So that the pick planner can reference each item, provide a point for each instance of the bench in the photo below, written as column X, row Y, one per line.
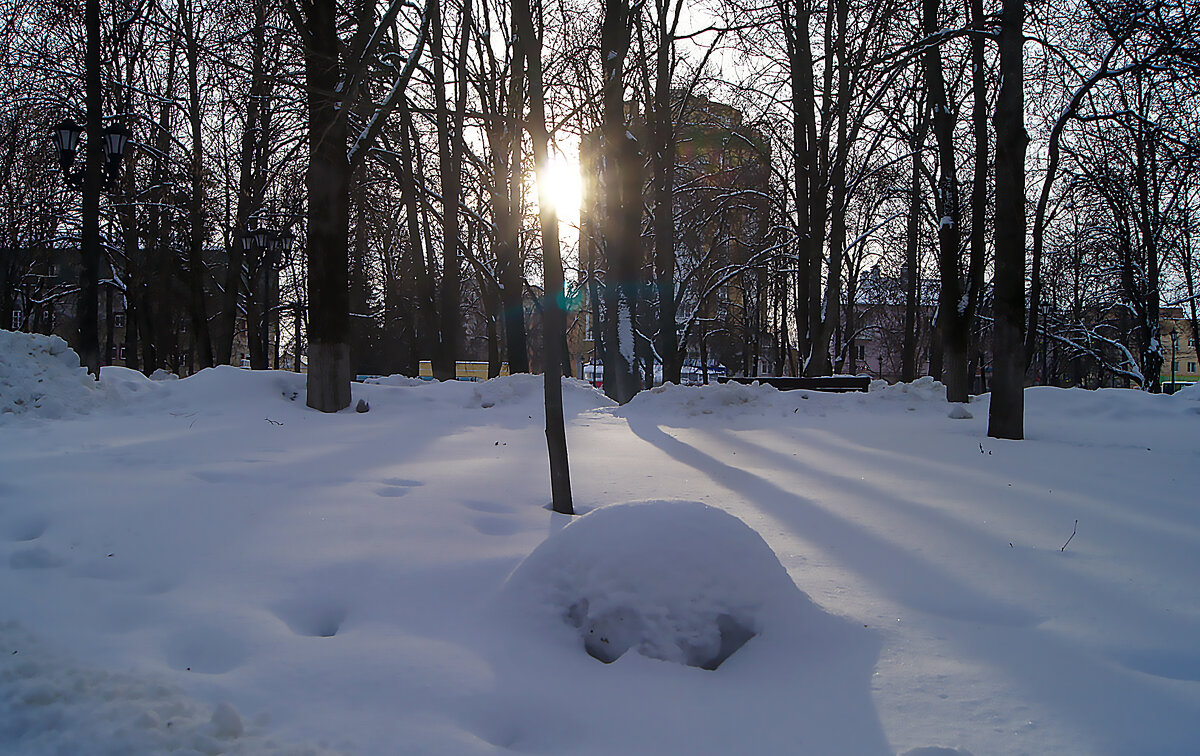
column 838, row 383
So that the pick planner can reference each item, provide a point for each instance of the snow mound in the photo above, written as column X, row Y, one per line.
column 230, row 388
column 1191, row 393
column 397, row 380
column 525, row 389
column 54, row 706
column 41, row 375
column 924, row 389
column 959, row 412
column 712, row 399
column 678, row 581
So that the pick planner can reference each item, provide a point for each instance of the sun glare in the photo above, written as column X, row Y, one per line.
column 565, row 187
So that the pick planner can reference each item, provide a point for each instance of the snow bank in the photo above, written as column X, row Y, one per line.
column 924, row 389
column 719, row 399
column 41, row 375
column 56, row 706
column 1191, row 393
column 522, row 392
column 397, row 380
column 526, row 389
column 673, row 580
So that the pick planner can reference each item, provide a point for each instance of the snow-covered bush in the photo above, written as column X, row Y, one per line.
column 673, row 580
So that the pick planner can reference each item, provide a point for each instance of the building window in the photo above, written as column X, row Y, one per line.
column 1175, row 367
column 861, row 352
column 121, row 352
column 118, row 320
column 1191, row 367
column 16, row 320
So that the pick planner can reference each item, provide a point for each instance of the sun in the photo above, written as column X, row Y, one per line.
column 565, row 187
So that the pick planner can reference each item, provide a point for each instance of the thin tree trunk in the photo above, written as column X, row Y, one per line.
column 912, row 256
column 89, row 302
column 952, row 326
column 978, row 238
column 197, row 298
column 554, row 319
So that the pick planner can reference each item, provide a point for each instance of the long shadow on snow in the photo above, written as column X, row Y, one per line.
column 892, row 569
column 1119, row 710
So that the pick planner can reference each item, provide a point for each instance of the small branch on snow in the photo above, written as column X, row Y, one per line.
column 1064, row 548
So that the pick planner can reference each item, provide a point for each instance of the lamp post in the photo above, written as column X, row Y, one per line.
column 1046, row 309
column 1174, row 350
column 104, row 148
column 268, row 251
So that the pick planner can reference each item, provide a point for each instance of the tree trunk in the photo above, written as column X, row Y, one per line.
column 327, row 182
column 911, row 272
column 508, row 184
column 89, row 301
column 197, row 268
column 621, row 225
column 952, row 325
column 250, row 190
column 450, row 152
column 804, row 134
column 554, row 319
column 1006, row 418
column 978, row 238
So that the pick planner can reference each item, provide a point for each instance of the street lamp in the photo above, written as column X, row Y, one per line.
column 1046, row 308
column 266, row 249
column 1174, row 349
column 113, row 139
column 105, row 145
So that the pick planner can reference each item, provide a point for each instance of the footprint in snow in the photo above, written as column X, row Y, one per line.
column 396, row 487
column 495, row 526
column 27, row 528
column 489, row 507
column 35, row 558
column 314, row 617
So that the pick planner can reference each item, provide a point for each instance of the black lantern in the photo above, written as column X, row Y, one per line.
column 262, row 238
column 286, row 241
column 66, row 139
column 115, row 138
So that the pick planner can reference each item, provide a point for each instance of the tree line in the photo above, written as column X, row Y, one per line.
column 1024, row 171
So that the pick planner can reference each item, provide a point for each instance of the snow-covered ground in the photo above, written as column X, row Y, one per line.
column 206, row 566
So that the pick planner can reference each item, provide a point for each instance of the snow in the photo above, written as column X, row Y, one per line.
column 206, row 566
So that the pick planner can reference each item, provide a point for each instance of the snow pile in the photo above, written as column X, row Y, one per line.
column 41, row 375
column 55, row 706
column 524, row 389
column 397, row 380
column 673, row 580
column 721, row 399
column 924, row 389
column 1191, row 393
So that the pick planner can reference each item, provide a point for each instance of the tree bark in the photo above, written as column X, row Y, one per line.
column 952, row 324
column 621, row 225
column 327, row 182
column 197, row 268
column 554, row 319
column 1006, row 416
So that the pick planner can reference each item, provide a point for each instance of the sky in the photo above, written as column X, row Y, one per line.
column 207, row 566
